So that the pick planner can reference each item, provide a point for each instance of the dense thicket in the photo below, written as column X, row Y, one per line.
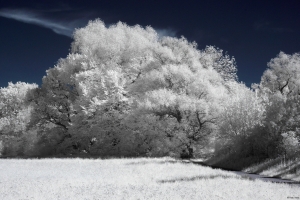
column 125, row 91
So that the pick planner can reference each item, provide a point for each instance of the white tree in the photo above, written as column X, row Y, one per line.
column 14, row 112
column 283, row 74
column 177, row 86
column 15, row 115
column 215, row 58
column 280, row 89
column 243, row 111
column 124, row 85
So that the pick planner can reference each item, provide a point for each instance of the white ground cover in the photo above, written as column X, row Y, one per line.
column 163, row 178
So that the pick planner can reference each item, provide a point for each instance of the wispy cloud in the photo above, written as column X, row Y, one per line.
column 61, row 25
column 37, row 18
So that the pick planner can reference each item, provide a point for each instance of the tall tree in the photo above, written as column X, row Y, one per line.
column 122, row 79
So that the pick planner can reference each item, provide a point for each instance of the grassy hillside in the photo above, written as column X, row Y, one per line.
column 163, row 178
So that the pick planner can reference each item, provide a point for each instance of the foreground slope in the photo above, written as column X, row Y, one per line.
column 163, row 178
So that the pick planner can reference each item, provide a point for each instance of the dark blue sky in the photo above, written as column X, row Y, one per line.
column 35, row 34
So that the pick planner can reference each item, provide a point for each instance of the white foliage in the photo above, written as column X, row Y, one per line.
column 213, row 57
column 242, row 111
column 283, row 74
column 14, row 113
column 122, row 71
column 290, row 141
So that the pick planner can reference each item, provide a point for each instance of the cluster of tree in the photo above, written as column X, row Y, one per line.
column 15, row 115
column 125, row 91
column 263, row 122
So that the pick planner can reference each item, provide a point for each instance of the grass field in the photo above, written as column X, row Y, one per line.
column 161, row 178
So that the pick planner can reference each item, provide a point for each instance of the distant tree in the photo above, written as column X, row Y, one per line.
column 280, row 90
column 283, row 74
column 15, row 115
column 243, row 113
column 291, row 141
column 244, row 110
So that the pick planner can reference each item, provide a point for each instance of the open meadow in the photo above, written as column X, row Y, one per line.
column 142, row 178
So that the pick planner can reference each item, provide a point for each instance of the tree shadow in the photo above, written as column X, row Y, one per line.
column 145, row 162
column 264, row 165
column 196, row 178
column 211, row 166
column 253, row 176
column 289, row 169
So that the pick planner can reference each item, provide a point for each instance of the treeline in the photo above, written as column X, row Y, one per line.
column 125, row 91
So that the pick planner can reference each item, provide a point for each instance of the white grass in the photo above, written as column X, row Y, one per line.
column 163, row 178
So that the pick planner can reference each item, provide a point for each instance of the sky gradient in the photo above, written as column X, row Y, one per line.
column 33, row 36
